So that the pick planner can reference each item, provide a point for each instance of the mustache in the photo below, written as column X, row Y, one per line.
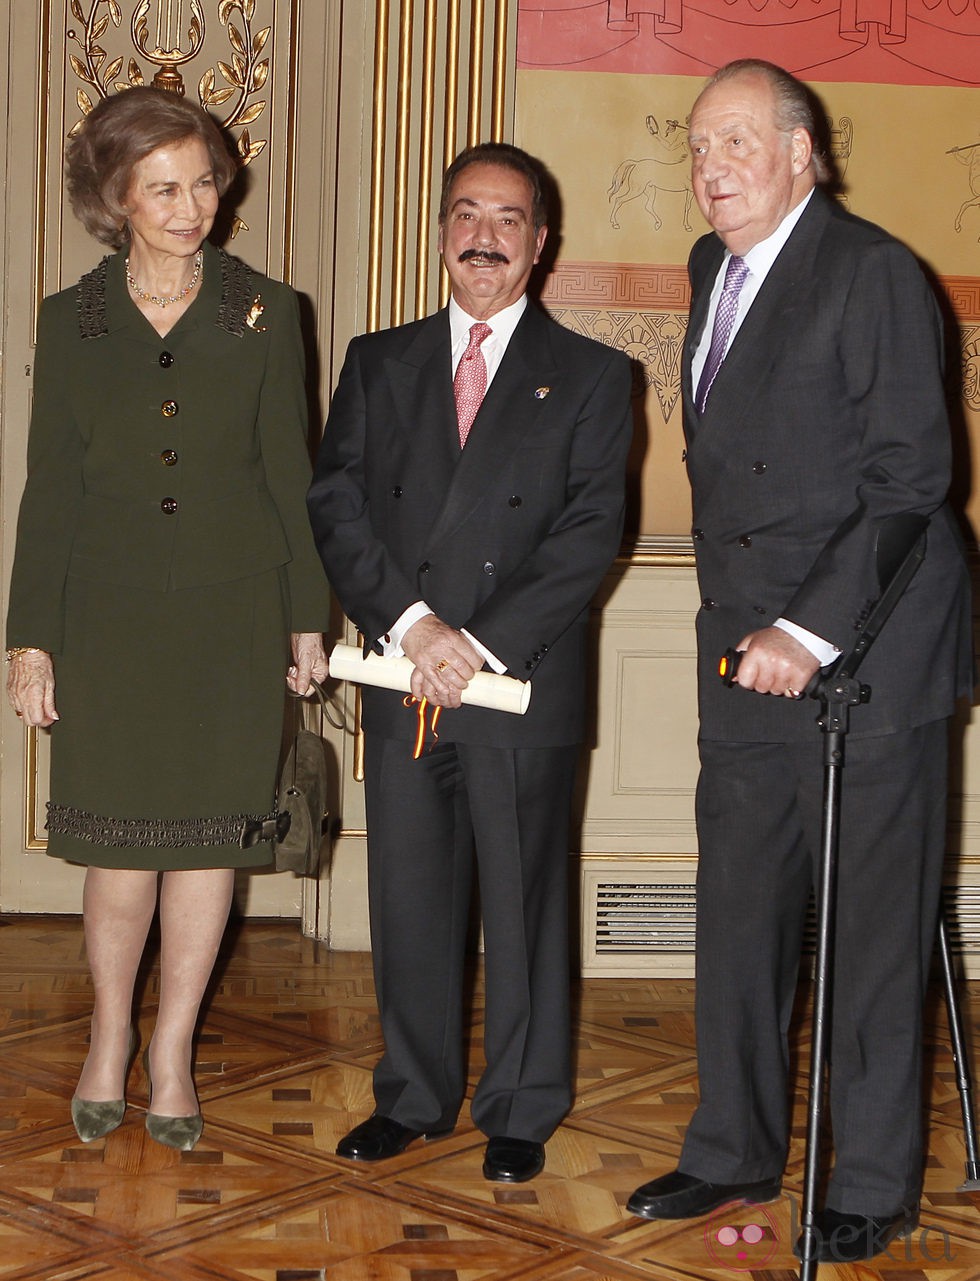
column 485, row 255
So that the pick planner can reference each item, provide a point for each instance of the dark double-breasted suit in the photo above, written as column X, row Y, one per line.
column 509, row 539
column 826, row 418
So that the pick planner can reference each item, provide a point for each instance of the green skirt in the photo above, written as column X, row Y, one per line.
column 171, row 713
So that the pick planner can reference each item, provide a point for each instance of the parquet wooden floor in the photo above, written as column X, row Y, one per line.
column 284, row 1069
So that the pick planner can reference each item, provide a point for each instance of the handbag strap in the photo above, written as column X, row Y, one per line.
column 327, row 711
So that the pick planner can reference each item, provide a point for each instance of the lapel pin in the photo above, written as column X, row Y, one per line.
column 541, row 393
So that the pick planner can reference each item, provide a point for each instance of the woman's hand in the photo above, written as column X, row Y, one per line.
column 30, row 687
column 309, row 662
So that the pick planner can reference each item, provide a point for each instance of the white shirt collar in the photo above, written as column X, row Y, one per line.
column 761, row 257
column 502, row 325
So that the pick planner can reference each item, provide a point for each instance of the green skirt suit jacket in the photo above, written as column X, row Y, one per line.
column 163, row 557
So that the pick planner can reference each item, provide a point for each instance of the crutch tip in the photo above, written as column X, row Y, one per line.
column 971, row 1185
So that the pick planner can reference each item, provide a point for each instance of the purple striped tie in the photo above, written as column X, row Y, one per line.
column 724, row 319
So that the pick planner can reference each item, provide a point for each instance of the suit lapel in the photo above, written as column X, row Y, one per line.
column 509, row 413
column 707, row 271
column 421, row 386
column 768, row 326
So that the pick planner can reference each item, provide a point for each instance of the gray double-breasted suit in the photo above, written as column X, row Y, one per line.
column 827, row 417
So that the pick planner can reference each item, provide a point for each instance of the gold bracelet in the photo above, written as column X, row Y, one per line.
column 19, row 650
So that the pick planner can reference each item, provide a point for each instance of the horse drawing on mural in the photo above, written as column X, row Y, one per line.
column 969, row 156
column 665, row 171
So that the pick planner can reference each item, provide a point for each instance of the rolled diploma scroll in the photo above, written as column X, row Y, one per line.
column 486, row 689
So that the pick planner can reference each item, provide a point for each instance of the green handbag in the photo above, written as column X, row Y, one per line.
column 302, row 796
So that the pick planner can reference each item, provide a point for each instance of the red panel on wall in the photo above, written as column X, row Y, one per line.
column 913, row 42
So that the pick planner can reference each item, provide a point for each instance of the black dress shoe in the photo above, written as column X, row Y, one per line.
column 682, row 1196
column 379, row 1137
column 512, row 1160
column 849, row 1238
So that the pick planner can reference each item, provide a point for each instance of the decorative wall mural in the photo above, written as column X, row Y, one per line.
column 893, row 77
column 971, row 371
column 969, row 156
column 170, row 34
column 668, row 170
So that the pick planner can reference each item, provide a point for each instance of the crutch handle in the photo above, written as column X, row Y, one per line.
column 728, row 667
column 728, row 670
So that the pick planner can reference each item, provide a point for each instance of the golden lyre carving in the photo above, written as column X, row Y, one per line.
column 245, row 74
column 167, row 53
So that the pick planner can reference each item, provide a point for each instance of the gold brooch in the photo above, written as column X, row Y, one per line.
column 255, row 314
column 541, row 393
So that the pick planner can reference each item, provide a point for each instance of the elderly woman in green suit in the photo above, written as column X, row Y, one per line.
column 165, row 579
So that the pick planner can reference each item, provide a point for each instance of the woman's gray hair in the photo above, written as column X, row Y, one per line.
column 119, row 132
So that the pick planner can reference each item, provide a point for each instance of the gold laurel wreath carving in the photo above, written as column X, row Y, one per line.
column 245, row 75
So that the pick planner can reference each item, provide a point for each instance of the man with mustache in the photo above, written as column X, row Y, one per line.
column 467, row 501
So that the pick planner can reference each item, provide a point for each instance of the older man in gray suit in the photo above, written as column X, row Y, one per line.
column 814, row 411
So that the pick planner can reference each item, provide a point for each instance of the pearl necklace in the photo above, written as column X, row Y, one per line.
column 165, row 302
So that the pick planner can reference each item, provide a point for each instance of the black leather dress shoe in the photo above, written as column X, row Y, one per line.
column 512, row 1160
column 379, row 1137
column 682, row 1196
column 849, row 1238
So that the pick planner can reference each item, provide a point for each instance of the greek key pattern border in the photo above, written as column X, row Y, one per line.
column 625, row 285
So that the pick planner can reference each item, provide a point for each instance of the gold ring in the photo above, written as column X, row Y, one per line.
column 442, row 664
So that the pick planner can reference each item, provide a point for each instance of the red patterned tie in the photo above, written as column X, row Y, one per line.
column 470, row 383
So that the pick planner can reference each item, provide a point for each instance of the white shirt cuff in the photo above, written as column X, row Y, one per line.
column 491, row 658
column 391, row 642
column 822, row 650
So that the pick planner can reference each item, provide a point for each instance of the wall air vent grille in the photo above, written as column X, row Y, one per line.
column 638, row 919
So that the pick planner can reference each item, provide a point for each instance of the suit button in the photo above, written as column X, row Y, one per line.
column 544, row 649
column 697, row 535
column 489, row 567
column 166, row 360
column 745, row 540
column 168, row 506
column 396, row 491
column 424, row 567
column 169, row 457
column 708, row 603
column 529, row 667
column 760, row 609
column 514, row 500
column 168, row 408
column 759, row 468
column 683, row 455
